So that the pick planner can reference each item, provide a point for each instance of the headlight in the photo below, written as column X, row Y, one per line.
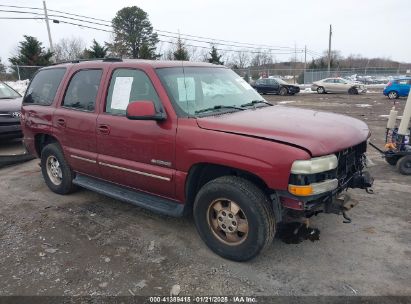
column 315, row 165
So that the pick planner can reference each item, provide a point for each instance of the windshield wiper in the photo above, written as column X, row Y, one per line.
column 218, row 107
column 254, row 102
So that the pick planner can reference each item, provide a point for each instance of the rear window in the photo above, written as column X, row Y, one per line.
column 43, row 87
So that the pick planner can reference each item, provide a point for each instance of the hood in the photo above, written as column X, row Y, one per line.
column 320, row 133
column 10, row 104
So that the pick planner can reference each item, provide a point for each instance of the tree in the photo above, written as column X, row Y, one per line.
column 96, row 51
column 180, row 52
column 31, row 52
column 214, row 57
column 133, row 34
column 68, row 49
column 2, row 67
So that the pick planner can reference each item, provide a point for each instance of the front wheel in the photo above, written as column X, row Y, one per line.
column 393, row 95
column 234, row 218
column 283, row 91
column 56, row 172
column 320, row 90
column 353, row 91
column 404, row 165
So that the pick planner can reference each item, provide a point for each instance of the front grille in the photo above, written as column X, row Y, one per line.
column 350, row 161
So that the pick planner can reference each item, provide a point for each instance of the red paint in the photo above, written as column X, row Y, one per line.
column 291, row 203
column 141, row 109
column 264, row 142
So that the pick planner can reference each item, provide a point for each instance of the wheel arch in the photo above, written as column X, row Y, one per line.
column 201, row 173
column 43, row 139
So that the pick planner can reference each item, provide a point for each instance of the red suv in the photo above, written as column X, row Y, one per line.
column 183, row 138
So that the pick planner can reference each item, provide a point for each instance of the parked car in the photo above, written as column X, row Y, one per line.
column 276, row 86
column 337, row 85
column 10, row 111
column 397, row 88
column 191, row 138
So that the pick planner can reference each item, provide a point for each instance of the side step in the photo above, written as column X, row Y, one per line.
column 141, row 199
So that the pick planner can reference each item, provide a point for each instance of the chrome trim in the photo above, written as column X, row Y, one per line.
column 135, row 171
column 83, row 158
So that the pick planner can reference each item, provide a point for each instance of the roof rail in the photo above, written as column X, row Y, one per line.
column 106, row 59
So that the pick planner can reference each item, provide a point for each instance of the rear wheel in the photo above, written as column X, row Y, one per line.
column 56, row 172
column 234, row 218
column 404, row 165
column 320, row 90
column 393, row 95
column 283, row 91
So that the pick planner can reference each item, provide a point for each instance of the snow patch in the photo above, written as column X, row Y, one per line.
column 19, row 85
column 363, row 105
column 285, row 102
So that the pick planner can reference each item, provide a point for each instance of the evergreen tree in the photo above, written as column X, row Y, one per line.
column 132, row 32
column 96, row 51
column 2, row 67
column 214, row 57
column 30, row 52
column 180, row 52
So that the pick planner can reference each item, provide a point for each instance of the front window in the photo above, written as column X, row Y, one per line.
column 193, row 90
column 7, row 93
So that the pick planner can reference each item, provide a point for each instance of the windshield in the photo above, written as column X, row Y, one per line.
column 280, row 81
column 197, row 90
column 7, row 92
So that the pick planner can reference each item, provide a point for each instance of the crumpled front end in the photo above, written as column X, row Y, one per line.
column 320, row 188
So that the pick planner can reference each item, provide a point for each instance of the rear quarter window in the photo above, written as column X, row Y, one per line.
column 43, row 88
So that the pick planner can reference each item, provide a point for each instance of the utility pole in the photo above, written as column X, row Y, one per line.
column 295, row 60
column 48, row 26
column 329, row 51
column 305, row 61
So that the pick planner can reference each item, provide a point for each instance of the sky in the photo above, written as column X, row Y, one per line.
column 372, row 28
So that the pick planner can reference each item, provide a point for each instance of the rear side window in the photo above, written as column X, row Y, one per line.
column 127, row 86
column 43, row 87
column 82, row 91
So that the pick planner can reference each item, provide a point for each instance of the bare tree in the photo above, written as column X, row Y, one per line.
column 69, row 49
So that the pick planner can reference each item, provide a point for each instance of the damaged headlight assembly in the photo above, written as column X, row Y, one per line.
column 306, row 171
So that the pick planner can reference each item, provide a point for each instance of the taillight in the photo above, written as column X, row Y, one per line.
column 389, row 84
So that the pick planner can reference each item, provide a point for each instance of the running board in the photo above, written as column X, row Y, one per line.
column 153, row 203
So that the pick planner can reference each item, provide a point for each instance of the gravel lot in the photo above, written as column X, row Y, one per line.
column 88, row 244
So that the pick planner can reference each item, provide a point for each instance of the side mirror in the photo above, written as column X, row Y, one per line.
column 143, row 110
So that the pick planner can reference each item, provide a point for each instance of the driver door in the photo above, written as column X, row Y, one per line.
column 136, row 153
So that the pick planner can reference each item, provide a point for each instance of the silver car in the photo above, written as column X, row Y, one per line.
column 10, row 105
column 337, row 85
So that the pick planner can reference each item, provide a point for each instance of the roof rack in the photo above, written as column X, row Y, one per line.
column 106, row 59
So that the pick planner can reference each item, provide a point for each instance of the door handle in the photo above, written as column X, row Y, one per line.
column 61, row 122
column 103, row 129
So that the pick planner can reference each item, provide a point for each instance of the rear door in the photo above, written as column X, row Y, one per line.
column 135, row 153
column 403, row 87
column 75, row 118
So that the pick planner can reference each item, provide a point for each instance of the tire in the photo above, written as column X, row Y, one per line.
column 393, row 95
column 254, row 215
column 404, row 165
column 391, row 160
column 283, row 91
column 353, row 91
column 56, row 172
column 320, row 90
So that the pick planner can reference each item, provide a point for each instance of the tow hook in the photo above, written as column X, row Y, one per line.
column 341, row 205
column 347, row 219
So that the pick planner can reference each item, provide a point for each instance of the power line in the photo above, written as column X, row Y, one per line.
column 209, row 39
column 235, row 44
